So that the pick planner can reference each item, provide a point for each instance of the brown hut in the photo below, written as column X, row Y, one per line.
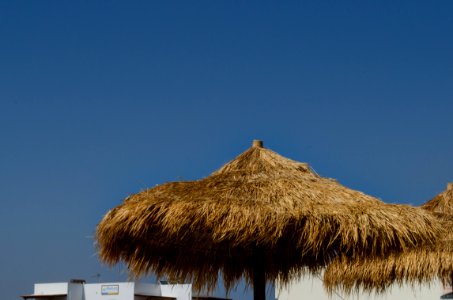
column 261, row 216
column 419, row 265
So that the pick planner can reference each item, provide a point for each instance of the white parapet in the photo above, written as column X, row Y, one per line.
column 312, row 288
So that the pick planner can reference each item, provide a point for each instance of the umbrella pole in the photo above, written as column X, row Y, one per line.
column 259, row 276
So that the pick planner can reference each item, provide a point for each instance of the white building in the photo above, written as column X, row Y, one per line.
column 79, row 290
column 312, row 288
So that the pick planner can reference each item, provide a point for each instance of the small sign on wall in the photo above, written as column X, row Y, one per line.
column 111, row 289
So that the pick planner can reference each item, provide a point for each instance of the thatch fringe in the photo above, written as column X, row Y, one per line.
column 420, row 265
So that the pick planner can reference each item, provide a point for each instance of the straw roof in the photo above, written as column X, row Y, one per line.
column 443, row 203
column 419, row 265
column 260, row 208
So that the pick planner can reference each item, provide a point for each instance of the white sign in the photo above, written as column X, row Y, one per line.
column 113, row 289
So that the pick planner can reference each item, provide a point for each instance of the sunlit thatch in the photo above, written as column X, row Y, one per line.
column 421, row 265
column 443, row 203
column 260, row 209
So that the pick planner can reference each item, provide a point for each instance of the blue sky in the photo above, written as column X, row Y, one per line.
column 101, row 99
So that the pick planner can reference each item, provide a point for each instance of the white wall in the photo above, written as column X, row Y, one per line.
column 75, row 291
column 148, row 289
column 127, row 290
column 312, row 288
column 113, row 291
column 50, row 288
column 93, row 291
column 180, row 291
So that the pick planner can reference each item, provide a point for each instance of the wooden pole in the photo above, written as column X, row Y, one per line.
column 259, row 276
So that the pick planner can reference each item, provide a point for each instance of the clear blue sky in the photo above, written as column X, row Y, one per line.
column 100, row 99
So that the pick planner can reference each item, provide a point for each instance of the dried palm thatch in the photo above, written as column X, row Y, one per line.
column 423, row 264
column 261, row 216
column 442, row 204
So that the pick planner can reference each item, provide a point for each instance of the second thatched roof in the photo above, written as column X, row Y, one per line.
column 419, row 265
column 261, row 205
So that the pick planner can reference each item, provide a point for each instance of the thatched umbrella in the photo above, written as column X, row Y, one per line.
column 261, row 216
column 416, row 266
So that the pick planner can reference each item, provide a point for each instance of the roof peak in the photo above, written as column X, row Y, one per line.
column 449, row 186
column 257, row 144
